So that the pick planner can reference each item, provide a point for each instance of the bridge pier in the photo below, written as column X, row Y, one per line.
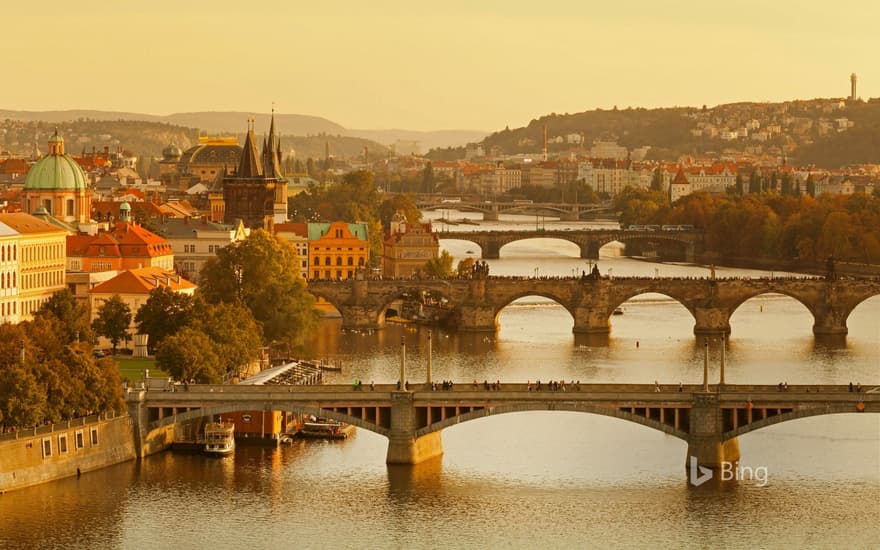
column 404, row 447
column 711, row 321
column 829, row 324
column 704, row 440
column 360, row 318
column 590, row 250
column 591, row 321
column 490, row 216
column 491, row 250
column 477, row 318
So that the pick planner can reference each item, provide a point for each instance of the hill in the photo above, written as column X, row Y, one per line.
column 828, row 133
column 234, row 122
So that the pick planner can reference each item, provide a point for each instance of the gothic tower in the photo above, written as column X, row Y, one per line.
column 256, row 192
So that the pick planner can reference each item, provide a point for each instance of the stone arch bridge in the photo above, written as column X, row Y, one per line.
column 491, row 210
column 687, row 245
column 708, row 418
column 591, row 302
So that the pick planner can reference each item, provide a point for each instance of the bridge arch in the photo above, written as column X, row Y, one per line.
column 578, row 243
column 553, row 406
column 840, row 408
column 508, row 300
column 736, row 304
column 245, row 407
column 621, row 298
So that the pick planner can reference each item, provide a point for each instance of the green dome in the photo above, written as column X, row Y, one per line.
column 56, row 172
column 125, row 206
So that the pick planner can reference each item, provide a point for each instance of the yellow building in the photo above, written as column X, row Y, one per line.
column 8, row 274
column 41, row 255
column 337, row 250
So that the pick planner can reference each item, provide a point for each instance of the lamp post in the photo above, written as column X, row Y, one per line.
column 402, row 362
column 429, row 358
column 706, row 365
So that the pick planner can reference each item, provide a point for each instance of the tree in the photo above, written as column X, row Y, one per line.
column 22, row 401
column 428, row 178
column 262, row 274
column 190, row 355
column 754, row 183
column 787, row 187
column 740, row 189
column 236, row 335
column 811, row 186
column 465, row 268
column 72, row 316
column 113, row 320
column 164, row 313
column 657, row 180
column 440, row 266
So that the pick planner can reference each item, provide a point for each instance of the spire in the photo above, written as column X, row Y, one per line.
column 272, row 151
column 249, row 166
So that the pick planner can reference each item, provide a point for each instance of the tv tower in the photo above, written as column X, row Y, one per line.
column 852, row 83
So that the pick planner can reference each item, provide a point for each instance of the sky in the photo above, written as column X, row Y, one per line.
column 451, row 64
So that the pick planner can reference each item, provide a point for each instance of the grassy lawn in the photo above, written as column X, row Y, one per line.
column 133, row 369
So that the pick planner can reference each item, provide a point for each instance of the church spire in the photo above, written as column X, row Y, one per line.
column 250, row 166
column 271, row 151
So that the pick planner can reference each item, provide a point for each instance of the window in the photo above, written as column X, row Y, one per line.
column 93, row 435
column 69, row 211
column 338, row 273
column 317, row 260
column 338, row 260
column 327, row 260
column 78, row 440
column 47, row 447
column 62, row 443
column 350, row 260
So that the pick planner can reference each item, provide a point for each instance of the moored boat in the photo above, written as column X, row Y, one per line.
column 219, row 438
column 324, row 428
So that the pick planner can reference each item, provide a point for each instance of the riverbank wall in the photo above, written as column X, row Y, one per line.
column 46, row 453
column 846, row 269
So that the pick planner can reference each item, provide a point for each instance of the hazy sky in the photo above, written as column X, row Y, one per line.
column 447, row 64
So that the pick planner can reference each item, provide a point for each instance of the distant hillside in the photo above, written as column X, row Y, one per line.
column 828, row 133
column 427, row 140
column 231, row 122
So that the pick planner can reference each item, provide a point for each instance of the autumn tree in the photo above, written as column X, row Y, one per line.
column 440, row 266
column 113, row 320
column 72, row 316
column 235, row 334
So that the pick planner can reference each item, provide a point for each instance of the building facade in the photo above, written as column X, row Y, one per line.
column 337, row 250
column 408, row 247
column 40, row 253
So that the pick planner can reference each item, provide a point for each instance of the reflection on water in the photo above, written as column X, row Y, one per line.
column 537, row 479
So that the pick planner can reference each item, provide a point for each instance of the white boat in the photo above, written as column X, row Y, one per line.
column 219, row 438
column 325, row 429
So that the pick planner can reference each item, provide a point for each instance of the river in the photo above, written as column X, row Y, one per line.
column 523, row 480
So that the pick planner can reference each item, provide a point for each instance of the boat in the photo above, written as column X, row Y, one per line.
column 219, row 438
column 325, row 428
column 618, row 311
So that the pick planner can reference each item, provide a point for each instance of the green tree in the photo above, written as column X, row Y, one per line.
column 787, row 187
column 811, row 186
column 428, row 178
column 164, row 313
column 657, row 179
column 73, row 317
column 440, row 266
column 754, row 183
column 113, row 320
column 190, row 355
column 262, row 274
column 399, row 203
column 236, row 335
column 740, row 189
column 22, row 400
column 465, row 268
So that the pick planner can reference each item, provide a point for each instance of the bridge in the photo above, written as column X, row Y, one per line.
column 478, row 302
column 708, row 418
column 492, row 209
column 687, row 244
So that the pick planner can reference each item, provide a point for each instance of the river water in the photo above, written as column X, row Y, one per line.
column 522, row 480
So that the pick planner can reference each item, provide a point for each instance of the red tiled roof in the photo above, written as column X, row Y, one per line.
column 142, row 281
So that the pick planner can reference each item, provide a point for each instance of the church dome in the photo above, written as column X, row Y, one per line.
column 56, row 170
column 172, row 152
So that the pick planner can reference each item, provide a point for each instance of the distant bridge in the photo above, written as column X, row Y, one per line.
column 491, row 209
column 709, row 421
column 591, row 303
column 689, row 244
